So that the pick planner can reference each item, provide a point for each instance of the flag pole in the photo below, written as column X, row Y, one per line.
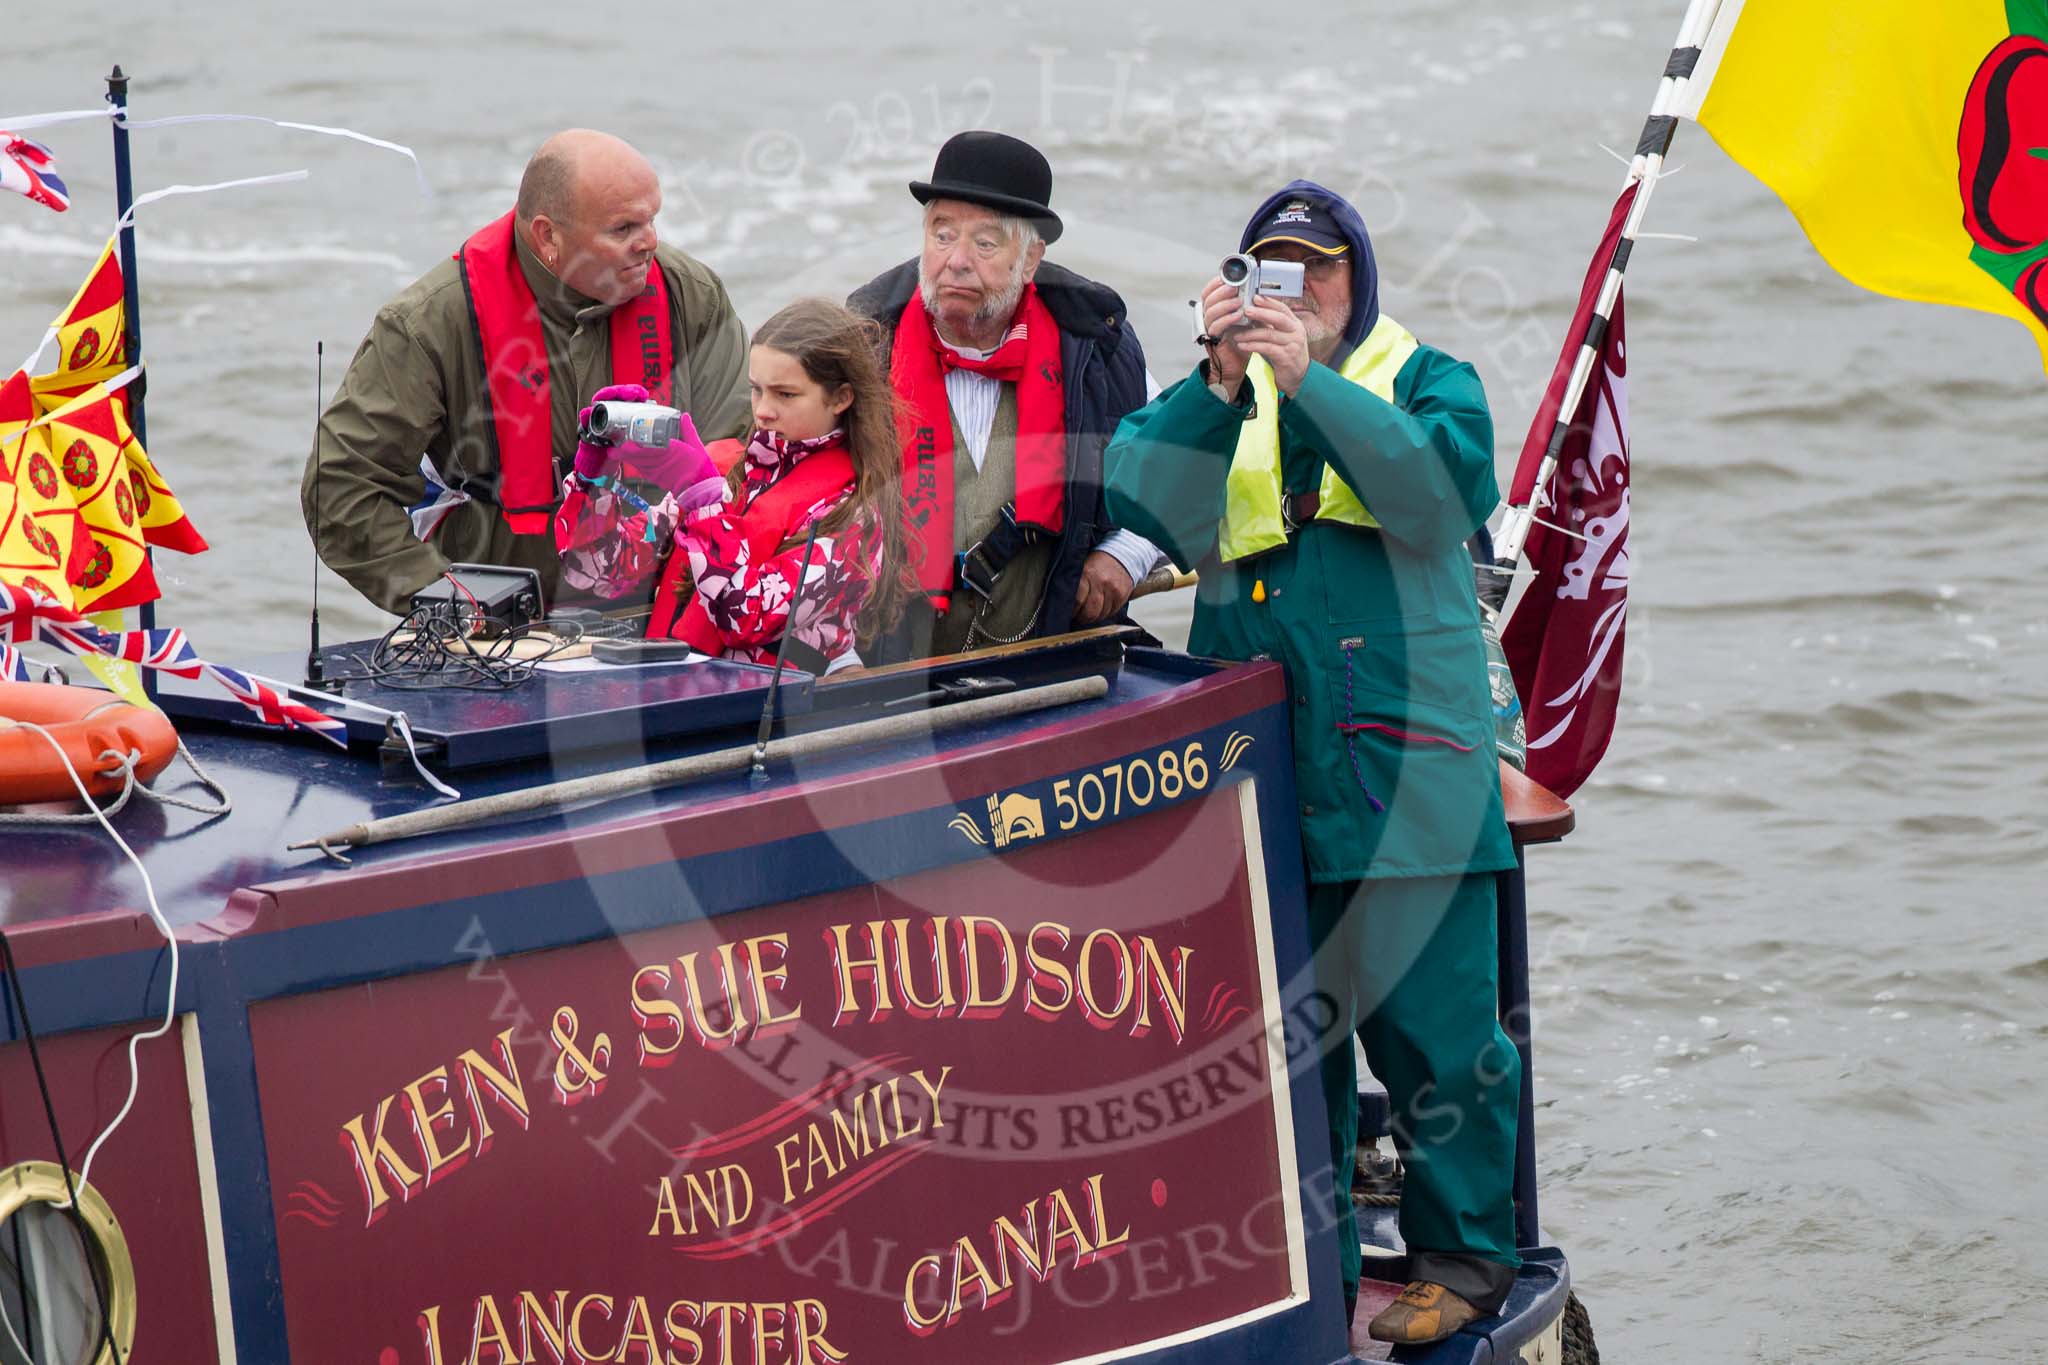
column 131, row 308
column 1651, row 148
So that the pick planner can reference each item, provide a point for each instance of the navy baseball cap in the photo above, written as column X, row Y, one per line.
column 1304, row 222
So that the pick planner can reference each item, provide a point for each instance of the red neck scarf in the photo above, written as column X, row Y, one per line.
column 1028, row 357
column 516, row 368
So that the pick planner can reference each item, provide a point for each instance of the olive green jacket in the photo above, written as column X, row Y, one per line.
column 1378, row 629
column 417, row 386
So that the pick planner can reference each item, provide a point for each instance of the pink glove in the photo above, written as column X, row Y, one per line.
column 594, row 461
column 680, row 465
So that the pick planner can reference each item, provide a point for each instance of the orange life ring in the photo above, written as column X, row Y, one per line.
column 87, row 723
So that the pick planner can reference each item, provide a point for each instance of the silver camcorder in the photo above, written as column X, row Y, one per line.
column 643, row 424
column 1252, row 277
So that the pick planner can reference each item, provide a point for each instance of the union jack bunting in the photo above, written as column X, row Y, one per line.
column 27, row 616
column 27, row 167
column 23, row 611
column 274, row 707
column 435, row 504
column 168, row 650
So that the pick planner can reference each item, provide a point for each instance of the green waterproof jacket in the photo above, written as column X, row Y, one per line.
column 1378, row 629
column 417, row 387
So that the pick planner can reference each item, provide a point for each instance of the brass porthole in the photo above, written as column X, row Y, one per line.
column 30, row 1183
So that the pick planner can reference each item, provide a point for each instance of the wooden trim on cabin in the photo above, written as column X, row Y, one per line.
column 1535, row 814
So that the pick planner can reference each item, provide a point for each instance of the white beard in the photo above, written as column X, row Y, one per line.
column 995, row 308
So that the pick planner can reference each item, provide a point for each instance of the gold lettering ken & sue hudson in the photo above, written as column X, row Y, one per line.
column 443, row 1121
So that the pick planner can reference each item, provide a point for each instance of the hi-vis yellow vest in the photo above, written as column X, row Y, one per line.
column 1251, row 507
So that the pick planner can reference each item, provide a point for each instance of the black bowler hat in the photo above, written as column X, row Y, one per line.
column 996, row 171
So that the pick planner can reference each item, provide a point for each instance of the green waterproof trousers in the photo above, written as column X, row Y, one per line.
column 1411, row 963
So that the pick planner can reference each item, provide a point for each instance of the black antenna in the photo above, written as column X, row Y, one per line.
column 316, row 674
column 760, row 771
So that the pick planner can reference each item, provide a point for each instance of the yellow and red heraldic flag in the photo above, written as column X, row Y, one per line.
column 43, row 545
column 1910, row 139
column 85, row 437
column 82, row 499
column 162, row 516
column 92, row 330
column 92, row 339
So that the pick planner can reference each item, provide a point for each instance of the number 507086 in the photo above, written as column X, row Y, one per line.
column 1138, row 782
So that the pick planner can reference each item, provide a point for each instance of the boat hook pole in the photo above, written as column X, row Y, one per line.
column 794, row 748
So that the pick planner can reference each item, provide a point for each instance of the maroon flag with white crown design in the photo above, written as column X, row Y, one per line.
column 1564, row 641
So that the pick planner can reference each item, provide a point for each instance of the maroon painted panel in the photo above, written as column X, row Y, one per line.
column 148, row 1172
column 710, row 1143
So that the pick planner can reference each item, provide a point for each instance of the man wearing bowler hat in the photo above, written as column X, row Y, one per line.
column 1011, row 375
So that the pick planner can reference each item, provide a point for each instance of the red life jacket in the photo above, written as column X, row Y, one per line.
column 515, row 361
column 773, row 520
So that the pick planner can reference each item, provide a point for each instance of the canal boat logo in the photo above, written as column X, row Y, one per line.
column 1012, row 819
column 1015, row 818
column 1234, row 749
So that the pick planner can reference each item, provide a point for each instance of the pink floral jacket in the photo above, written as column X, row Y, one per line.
column 612, row 543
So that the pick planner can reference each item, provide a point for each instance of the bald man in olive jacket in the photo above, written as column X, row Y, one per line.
column 410, row 468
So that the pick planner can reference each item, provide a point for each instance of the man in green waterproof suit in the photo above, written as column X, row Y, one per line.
column 1324, row 469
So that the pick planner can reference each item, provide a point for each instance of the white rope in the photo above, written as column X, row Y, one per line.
column 171, row 191
column 125, row 765
column 419, row 173
column 404, row 728
column 396, row 719
column 15, row 123
column 86, row 399
column 163, row 925
column 1563, row 531
column 167, row 192
column 37, row 354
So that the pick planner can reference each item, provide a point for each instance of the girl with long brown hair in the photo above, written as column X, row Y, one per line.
column 804, row 534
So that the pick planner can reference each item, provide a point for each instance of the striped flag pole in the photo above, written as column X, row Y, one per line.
column 1658, row 130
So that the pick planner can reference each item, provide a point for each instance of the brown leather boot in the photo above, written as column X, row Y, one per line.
column 1425, row 1312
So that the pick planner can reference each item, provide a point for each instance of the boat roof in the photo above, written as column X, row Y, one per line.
column 289, row 787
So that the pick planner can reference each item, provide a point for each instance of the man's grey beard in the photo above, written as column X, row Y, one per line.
column 995, row 308
column 1322, row 329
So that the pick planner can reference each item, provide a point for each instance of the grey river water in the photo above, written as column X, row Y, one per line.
column 1792, row 981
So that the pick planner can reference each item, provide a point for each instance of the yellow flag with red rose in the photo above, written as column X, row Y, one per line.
column 42, row 542
column 1909, row 139
column 162, row 516
column 85, row 438
column 92, row 330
